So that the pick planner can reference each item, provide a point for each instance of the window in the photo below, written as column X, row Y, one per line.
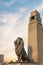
column 33, row 17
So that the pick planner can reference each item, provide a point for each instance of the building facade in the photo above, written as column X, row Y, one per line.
column 35, row 38
column 1, row 58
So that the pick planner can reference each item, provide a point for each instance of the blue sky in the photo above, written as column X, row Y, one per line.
column 14, row 19
column 12, row 6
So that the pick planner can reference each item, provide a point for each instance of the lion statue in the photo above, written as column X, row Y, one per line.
column 20, row 51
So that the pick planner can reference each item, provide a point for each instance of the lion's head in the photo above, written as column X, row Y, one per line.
column 19, row 45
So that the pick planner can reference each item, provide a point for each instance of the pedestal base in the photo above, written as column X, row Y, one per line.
column 21, row 63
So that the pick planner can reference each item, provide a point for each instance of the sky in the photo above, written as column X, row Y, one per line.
column 14, row 20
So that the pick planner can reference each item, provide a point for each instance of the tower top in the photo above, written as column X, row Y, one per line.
column 35, row 13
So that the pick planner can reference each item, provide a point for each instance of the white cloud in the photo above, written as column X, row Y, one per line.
column 10, row 3
column 7, row 3
column 22, row 10
column 14, row 27
column 39, row 7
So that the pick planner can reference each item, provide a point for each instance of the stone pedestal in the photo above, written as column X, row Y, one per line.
column 24, row 63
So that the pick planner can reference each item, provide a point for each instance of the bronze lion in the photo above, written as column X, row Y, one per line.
column 20, row 51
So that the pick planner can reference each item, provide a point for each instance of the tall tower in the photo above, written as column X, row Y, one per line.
column 35, row 38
